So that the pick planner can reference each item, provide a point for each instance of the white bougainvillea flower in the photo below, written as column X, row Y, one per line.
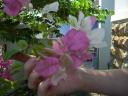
column 50, row 7
column 53, row 7
column 96, row 36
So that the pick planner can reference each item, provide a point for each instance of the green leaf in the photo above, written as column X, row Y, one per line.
column 17, row 71
column 22, row 44
column 37, row 48
column 15, row 67
column 47, row 42
column 7, row 55
column 6, row 85
column 42, row 27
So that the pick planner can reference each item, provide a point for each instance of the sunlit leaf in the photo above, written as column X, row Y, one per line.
column 22, row 44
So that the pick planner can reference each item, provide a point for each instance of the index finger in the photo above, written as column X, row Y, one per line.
column 29, row 66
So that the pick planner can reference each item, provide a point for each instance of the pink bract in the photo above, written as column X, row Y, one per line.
column 6, row 75
column 76, row 40
column 5, row 68
column 47, row 66
column 59, row 47
column 13, row 7
column 76, row 44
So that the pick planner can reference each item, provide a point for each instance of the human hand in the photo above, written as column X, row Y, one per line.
column 70, row 84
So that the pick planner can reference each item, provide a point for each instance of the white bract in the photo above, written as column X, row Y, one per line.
column 96, row 36
column 50, row 7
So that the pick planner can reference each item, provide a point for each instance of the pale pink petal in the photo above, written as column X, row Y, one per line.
column 57, row 47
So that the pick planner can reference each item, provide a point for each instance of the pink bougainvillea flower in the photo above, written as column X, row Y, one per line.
column 5, row 68
column 76, row 40
column 6, row 74
column 76, row 44
column 58, row 46
column 47, row 66
column 13, row 7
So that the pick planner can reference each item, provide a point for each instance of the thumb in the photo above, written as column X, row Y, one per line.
column 67, row 62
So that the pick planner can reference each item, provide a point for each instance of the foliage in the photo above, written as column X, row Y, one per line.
column 5, row 86
column 31, row 23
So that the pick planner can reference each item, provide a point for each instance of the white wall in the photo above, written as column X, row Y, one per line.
column 121, row 10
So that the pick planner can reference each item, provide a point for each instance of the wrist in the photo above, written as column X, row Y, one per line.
column 86, row 78
column 81, row 78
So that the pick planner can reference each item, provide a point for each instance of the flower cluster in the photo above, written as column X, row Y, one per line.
column 77, row 39
column 5, row 68
column 75, row 43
